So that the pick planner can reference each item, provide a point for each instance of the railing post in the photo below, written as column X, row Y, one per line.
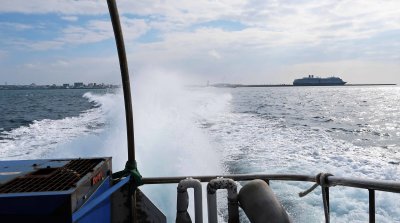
column 371, row 205
column 327, row 198
column 233, row 206
column 322, row 180
column 183, row 201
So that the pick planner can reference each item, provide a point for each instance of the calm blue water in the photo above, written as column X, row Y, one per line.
column 347, row 131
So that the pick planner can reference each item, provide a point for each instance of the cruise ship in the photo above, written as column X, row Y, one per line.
column 318, row 81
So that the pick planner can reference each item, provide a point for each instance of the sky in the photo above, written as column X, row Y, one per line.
column 230, row 41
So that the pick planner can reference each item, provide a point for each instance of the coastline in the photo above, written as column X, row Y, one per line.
column 291, row 85
column 53, row 88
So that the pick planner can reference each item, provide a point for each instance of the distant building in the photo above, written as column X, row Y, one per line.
column 65, row 85
column 78, row 85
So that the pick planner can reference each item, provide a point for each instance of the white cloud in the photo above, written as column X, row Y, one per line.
column 42, row 45
column 214, row 54
column 272, row 23
column 297, row 21
column 15, row 26
column 92, row 32
column 66, row 7
column 67, row 70
column 70, row 18
column 253, row 56
column 180, row 45
column 293, row 32
column 134, row 28
column 325, row 20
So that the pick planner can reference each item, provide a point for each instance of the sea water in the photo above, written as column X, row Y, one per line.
column 346, row 131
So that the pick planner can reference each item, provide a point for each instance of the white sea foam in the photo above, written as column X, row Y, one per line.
column 169, row 140
column 42, row 137
column 253, row 143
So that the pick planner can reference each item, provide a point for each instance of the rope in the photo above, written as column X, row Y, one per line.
column 135, row 181
column 321, row 179
column 130, row 170
column 304, row 193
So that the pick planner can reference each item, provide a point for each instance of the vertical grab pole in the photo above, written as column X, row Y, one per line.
column 327, row 198
column 371, row 206
column 130, row 166
column 123, row 64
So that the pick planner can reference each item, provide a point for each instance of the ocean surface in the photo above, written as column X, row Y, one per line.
column 346, row 131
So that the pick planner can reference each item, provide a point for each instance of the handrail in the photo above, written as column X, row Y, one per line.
column 235, row 177
column 328, row 181
column 130, row 166
column 123, row 63
column 382, row 185
column 371, row 185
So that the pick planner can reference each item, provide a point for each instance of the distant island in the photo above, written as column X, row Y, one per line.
column 76, row 85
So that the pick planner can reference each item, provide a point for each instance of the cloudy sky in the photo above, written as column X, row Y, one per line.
column 235, row 41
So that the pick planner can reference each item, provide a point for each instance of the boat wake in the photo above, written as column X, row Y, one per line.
column 41, row 138
column 200, row 131
column 169, row 141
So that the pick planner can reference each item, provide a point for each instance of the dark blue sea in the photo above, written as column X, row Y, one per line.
column 346, row 131
column 23, row 107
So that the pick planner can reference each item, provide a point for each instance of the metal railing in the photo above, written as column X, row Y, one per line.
column 329, row 181
column 326, row 181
